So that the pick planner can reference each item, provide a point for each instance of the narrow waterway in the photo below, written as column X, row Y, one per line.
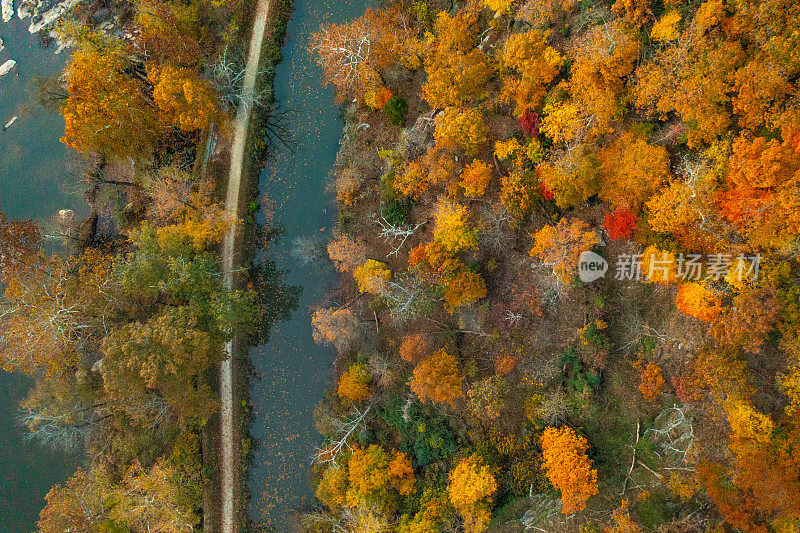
column 294, row 370
column 34, row 183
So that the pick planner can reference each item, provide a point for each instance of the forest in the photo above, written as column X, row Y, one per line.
column 121, row 319
column 484, row 382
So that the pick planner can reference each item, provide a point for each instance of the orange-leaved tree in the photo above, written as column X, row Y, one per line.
column 352, row 54
column 183, row 98
column 374, row 474
column 464, row 287
column 560, row 246
column 437, row 379
column 696, row 300
column 476, row 178
column 747, row 495
column 632, row 171
column 651, row 381
column 568, row 467
column 414, row 348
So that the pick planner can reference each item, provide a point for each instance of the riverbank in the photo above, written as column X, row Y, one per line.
column 34, row 184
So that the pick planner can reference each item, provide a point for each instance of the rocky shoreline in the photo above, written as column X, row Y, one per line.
column 43, row 15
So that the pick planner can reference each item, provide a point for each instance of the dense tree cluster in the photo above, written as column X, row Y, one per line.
column 122, row 322
column 663, row 137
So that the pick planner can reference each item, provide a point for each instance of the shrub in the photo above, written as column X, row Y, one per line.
column 396, row 109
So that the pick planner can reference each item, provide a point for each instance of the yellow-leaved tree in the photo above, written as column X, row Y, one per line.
column 471, row 488
column 461, row 128
column 531, row 65
column 457, row 70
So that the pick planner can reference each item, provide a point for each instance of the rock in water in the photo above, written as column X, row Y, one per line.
column 65, row 216
column 8, row 12
column 6, row 67
column 1, row 44
column 9, row 123
column 44, row 13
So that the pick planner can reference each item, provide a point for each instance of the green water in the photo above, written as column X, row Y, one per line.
column 34, row 184
column 294, row 370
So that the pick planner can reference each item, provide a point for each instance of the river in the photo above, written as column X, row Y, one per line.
column 34, row 184
column 294, row 370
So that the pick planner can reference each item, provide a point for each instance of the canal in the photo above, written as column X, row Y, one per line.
column 293, row 370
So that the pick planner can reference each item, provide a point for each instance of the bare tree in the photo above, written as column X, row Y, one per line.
column 344, row 429
column 228, row 72
column 61, row 429
column 406, row 296
column 398, row 235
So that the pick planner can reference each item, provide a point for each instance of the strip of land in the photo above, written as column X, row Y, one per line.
column 228, row 457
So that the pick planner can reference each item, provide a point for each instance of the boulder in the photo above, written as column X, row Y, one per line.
column 7, row 12
column 414, row 140
column 65, row 216
column 8, row 124
column 6, row 67
column 44, row 13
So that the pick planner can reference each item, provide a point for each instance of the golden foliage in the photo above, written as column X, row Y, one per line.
column 659, row 266
column 568, row 467
column 605, row 58
column 372, row 277
column 457, row 71
column 368, row 471
column 332, row 487
column 471, row 488
column 461, row 128
column 518, row 192
column 183, row 98
column 450, row 226
column 107, row 110
column 666, row 29
column 437, row 379
column 354, row 383
column 533, row 65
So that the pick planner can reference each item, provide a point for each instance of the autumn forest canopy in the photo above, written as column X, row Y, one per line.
column 121, row 319
column 567, row 239
column 482, row 384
